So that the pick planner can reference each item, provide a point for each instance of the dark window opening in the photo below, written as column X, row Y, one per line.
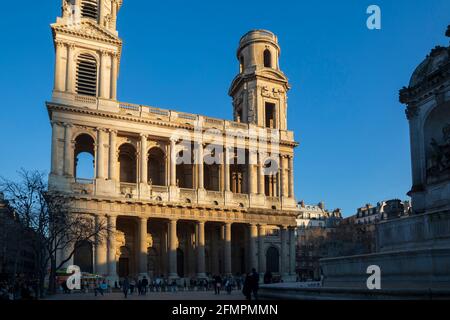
column 89, row 9
column 267, row 59
column 87, row 75
column 270, row 115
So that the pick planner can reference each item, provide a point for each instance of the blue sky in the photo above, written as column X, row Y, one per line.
column 343, row 106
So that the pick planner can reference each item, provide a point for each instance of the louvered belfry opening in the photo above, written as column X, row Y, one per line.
column 89, row 9
column 87, row 75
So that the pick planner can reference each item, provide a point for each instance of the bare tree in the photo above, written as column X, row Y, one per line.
column 51, row 228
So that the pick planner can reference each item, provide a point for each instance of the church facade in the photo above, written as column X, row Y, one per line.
column 183, row 195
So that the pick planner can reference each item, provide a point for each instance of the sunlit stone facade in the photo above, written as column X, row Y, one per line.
column 184, row 195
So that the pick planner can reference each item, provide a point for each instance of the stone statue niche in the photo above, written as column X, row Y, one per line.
column 437, row 144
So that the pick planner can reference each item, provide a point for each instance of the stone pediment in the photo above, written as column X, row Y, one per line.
column 272, row 74
column 88, row 30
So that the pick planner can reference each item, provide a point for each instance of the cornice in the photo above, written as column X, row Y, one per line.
column 106, row 38
column 51, row 106
column 180, row 205
column 427, row 87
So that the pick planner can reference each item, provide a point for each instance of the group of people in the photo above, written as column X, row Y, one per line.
column 19, row 290
column 128, row 286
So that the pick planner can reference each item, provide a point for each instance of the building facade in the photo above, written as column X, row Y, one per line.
column 183, row 195
column 370, row 214
column 314, row 224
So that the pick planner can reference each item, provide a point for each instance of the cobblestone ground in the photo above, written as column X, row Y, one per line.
column 180, row 295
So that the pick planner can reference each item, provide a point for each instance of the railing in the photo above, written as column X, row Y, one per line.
column 85, row 99
column 128, row 189
column 187, row 116
column 158, row 111
column 188, row 193
column 129, row 106
column 160, row 189
column 214, row 121
column 84, row 181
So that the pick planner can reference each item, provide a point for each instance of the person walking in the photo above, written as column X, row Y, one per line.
column 255, row 283
column 132, row 285
column 228, row 285
column 125, row 287
column 217, row 284
column 144, row 285
column 247, row 287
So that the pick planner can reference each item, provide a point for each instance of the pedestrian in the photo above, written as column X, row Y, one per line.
column 98, row 288
column 228, row 285
column 255, row 283
column 144, row 284
column 132, row 285
column 139, row 287
column 247, row 288
column 125, row 287
column 217, row 284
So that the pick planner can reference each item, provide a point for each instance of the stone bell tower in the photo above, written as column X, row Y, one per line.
column 260, row 89
column 88, row 52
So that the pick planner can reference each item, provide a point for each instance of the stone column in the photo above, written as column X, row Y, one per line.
column 114, row 75
column 227, row 251
column 112, row 155
column 104, row 81
column 284, row 252
column 291, row 177
column 226, row 164
column 112, row 263
column 114, row 14
column 59, row 67
column 55, row 142
column 173, row 244
column 261, row 175
column 201, row 177
column 252, row 178
column 70, row 81
column 261, row 252
column 142, row 246
column 253, row 239
column 68, row 151
column 173, row 163
column 101, row 14
column 201, row 249
column 100, row 161
column 143, row 160
column 292, row 252
column 214, row 252
column 100, row 247
column 282, row 177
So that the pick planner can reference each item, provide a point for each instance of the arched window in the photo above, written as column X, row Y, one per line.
column 83, row 256
column 84, row 157
column 87, row 75
column 267, row 58
column 156, row 167
column 89, row 9
column 127, row 163
column 273, row 260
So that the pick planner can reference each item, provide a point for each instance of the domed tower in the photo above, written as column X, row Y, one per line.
column 88, row 51
column 260, row 89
